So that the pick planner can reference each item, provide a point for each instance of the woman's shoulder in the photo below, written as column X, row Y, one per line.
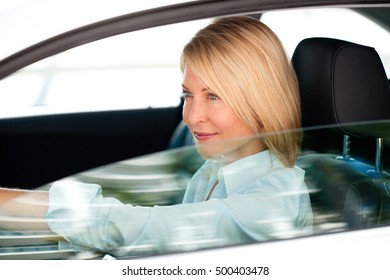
column 282, row 178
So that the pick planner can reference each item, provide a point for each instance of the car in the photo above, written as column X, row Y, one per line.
column 77, row 106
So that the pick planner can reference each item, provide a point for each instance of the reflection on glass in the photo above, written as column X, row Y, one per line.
column 338, row 193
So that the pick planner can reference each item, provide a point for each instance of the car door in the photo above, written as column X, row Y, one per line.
column 40, row 149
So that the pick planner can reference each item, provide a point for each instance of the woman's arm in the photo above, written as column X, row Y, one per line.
column 23, row 209
column 106, row 224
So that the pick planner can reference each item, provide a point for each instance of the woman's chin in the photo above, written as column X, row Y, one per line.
column 209, row 153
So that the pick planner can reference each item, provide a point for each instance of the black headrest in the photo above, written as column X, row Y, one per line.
column 342, row 84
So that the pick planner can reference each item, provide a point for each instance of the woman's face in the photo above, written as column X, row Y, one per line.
column 217, row 131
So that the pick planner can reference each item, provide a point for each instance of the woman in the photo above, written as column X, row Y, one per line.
column 237, row 84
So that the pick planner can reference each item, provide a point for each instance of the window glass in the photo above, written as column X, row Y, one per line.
column 135, row 70
column 141, row 69
column 336, row 23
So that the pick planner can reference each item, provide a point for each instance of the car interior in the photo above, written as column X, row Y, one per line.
column 343, row 149
column 70, row 143
column 340, row 84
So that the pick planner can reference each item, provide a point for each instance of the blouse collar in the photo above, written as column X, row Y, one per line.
column 238, row 174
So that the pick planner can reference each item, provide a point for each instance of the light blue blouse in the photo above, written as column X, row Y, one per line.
column 256, row 199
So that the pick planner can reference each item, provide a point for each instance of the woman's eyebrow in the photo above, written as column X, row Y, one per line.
column 186, row 88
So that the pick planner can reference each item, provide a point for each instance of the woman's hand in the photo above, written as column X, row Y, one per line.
column 23, row 209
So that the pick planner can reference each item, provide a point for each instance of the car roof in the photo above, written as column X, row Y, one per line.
column 30, row 21
column 61, row 25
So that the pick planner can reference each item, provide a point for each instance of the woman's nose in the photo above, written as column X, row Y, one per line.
column 195, row 112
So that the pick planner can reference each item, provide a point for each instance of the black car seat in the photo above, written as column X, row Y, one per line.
column 344, row 90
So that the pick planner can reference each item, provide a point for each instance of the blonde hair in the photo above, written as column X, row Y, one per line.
column 244, row 62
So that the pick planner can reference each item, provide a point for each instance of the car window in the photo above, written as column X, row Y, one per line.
column 160, row 179
column 135, row 70
column 338, row 23
column 139, row 70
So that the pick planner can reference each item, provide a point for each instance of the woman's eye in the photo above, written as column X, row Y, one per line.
column 186, row 94
column 213, row 96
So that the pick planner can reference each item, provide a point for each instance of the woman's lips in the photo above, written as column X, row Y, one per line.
column 203, row 136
